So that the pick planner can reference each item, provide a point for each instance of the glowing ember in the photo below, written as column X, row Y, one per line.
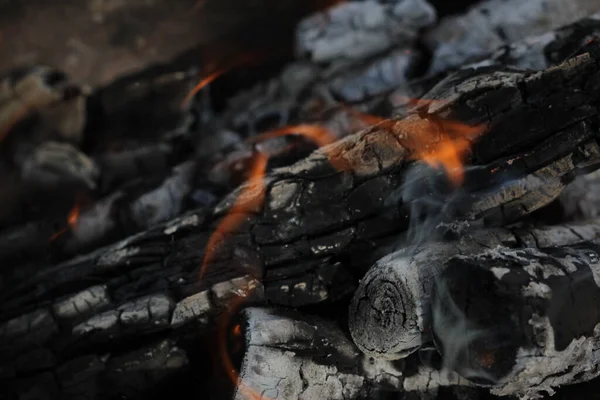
column 237, row 330
column 72, row 219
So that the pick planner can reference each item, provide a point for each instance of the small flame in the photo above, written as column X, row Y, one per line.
column 72, row 219
column 236, row 216
column 442, row 144
column 217, row 71
column 319, row 135
column 255, row 184
column 237, row 330
column 201, row 85
column 73, row 216
column 233, row 307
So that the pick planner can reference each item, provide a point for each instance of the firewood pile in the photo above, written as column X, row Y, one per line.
column 407, row 208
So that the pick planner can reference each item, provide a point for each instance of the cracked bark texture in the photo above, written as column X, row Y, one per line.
column 318, row 231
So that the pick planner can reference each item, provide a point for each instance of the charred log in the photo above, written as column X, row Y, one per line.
column 308, row 358
column 323, row 222
column 390, row 313
column 521, row 321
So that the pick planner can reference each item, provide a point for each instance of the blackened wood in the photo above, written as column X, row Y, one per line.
column 320, row 226
column 523, row 321
column 390, row 315
column 304, row 92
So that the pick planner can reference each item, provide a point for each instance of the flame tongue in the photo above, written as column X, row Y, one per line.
column 72, row 219
column 441, row 143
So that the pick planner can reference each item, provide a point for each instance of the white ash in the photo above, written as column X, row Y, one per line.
column 543, row 369
column 493, row 23
column 357, row 30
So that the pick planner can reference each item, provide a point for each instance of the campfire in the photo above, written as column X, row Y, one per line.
column 383, row 199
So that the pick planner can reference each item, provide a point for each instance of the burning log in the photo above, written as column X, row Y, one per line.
column 390, row 313
column 307, row 231
column 383, row 85
column 498, row 313
column 522, row 321
column 306, row 357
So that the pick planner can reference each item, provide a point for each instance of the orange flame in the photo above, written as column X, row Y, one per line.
column 449, row 150
column 236, row 216
column 244, row 59
column 202, row 84
column 442, row 144
column 72, row 219
column 224, row 322
column 319, row 135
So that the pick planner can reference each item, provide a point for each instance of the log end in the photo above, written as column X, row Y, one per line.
column 384, row 317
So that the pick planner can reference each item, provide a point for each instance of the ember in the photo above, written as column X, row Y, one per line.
column 305, row 200
column 72, row 219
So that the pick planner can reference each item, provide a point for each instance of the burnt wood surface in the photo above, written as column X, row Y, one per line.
column 134, row 317
column 522, row 321
column 307, row 358
column 390, row 315
column 137, row 132
column 311, row 241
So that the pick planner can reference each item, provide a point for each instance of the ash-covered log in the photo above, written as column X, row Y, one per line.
column 324, row 219
column 288, row 355
column 523, row 321
column 390, row 314
column 492, row 24
column 333, row 222
column 386, row 84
